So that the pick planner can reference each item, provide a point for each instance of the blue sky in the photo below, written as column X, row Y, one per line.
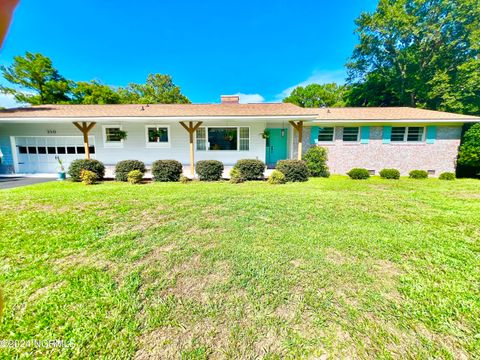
column 259, row 48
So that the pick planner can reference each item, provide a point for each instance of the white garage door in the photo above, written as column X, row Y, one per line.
column 40, row 154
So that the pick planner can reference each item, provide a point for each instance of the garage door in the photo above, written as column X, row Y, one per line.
column 40, row 154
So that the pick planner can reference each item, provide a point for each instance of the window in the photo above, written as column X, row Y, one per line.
column 51, row 150
column 61, row 150
column 22, row 150
column 32, row 150
column 223, row 138
column 325, row 134
column 350, row 134
column 408, row 134
column 111, row 136
column 157, row 135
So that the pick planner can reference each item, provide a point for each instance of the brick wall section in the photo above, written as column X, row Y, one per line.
column 375, row 155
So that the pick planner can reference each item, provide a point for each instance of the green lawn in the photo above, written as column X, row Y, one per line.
column 324, row 269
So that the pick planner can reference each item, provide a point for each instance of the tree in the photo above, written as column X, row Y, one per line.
column 469, row 153
column 94, row 92
column 159, row 88
column 317, row 95
column 420, row 53
column 38, row 80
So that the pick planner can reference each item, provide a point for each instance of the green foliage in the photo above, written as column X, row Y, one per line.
column 167, row 170
column 123, row 168
column 359, row 174
column 390, row 174
column 294, row 170
column 250, row 169
column 469, row 153
column 88, row 177
column 316, row 160
column 94, row 92
column 76, row 167
column 184, row 179
column 418, row 174
column 418, row 53
column 236, row 176
column 447, row 176
column 317, row 95
column 209, row 170
column 158, row 89
column 276, row 178
column 135, row 177
column 35, row 80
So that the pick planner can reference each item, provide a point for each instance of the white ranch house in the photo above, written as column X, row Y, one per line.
column 33, row 138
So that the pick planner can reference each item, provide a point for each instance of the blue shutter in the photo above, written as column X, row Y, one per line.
column 387, row 134
column 365, row 134
column 431, row 134
column 313, row 134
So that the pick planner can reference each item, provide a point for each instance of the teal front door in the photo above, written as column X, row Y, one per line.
column 276, row 146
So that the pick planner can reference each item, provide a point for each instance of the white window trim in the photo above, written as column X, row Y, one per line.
column 405, row 135
column 326, row 142
column 157, row 144
column 111, row 144
column 353, row 141
column 207, row 144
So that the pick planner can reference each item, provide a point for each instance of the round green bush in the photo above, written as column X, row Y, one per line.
column 390, row 174
column 447, row 176
column 359, row 174
column 209, row 170
column 276, row 178
column 294, row 170
column 184, row 179
column 76, row 167
column 88, row 177
column 167, row 170
column 236, row 176
column 316, row 159
column 123, row 168
column 418, row 174
column 135, row 176
column 250, row 169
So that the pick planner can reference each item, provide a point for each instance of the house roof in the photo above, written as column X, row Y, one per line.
column 229, row 110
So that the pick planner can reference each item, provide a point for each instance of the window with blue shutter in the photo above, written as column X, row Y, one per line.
column 431, row 134
column 387, row 133
column 313, row 135
column 365, row 134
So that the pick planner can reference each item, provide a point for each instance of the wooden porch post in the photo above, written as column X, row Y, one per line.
column 191, row 130
column 85, row 129
column 299, row 127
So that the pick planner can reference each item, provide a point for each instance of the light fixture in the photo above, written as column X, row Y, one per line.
column 283, row 128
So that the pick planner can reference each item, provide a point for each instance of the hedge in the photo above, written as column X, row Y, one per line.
column 209, row 170
column 250, row 169
column 166, row 170
column 123, row 168
column 95, row 166
column 294, row 170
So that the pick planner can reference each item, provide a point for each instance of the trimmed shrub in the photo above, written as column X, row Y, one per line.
column 78, row 165
column 166, row 170
column 390, row 174
column 209, row 170
column 277, row 177
column 236, row 176
column 316, row 159
column 88, row 177
column 123, row 168
column 135, row 176
column 418, row 174
column 184, row 179
column 359, row 174
column 250, row 169
column 447, row 176
column 294, row 170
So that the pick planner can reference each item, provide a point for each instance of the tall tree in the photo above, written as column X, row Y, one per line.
column 94, row 92
column 421, row 53
column 317, row 95
column 469, row 153
column 36, row 80
column 159, row 88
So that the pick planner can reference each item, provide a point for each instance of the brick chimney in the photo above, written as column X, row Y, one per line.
column 230, row 99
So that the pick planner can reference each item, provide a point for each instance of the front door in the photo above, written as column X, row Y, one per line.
column 276, row 146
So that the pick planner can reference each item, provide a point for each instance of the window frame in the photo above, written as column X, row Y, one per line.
column 207, row 143
column 351, row 141
column 327, row 141
column 111, row 144
column 164, row 144
column 405, row 135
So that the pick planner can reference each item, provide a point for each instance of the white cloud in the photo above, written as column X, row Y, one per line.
column 317, row 77
column 8, row 101
column 250, row 98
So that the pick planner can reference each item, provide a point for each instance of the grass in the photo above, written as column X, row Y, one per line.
column 324, row 269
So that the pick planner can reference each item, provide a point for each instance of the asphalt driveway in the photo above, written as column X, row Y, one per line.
column 8, row 182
